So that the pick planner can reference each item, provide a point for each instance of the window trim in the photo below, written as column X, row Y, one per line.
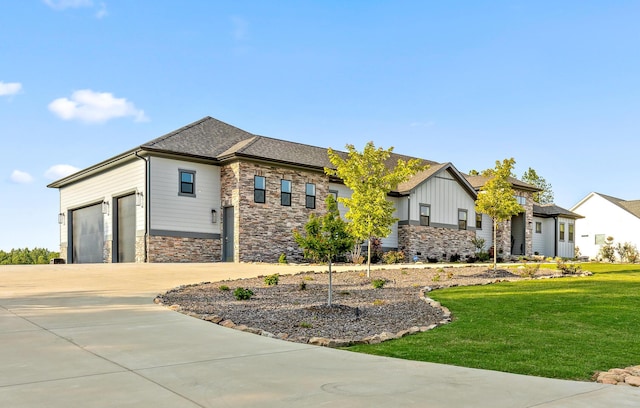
column 572, row 232
column 561, row 232
column 422, row 217
column 192, row 183
column 465, row 220
column 256, row 189
column 310, row 205
column 479, row 221
column 284, row 193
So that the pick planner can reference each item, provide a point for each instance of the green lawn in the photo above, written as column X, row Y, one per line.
column 560, row 328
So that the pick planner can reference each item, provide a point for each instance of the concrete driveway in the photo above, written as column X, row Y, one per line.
column 90, row 336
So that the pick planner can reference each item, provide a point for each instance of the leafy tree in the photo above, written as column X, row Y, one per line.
column 542, row 197
column 497, row 200
column 325, row 237
column 370, row 180
column 26, row 256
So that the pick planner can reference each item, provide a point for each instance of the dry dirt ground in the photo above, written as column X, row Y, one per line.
column 296, row 308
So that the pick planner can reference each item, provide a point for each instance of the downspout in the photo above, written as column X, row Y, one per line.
column 147, row 199
column 555, row 236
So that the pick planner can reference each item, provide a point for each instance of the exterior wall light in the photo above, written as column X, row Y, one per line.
column 214, row 216
column 139, row 199
column 61, row 218
column 105, row 207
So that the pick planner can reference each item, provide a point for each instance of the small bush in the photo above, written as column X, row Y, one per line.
column 568, row 269
column 283, row 259
column 378, row 283
column 379, row 302
column 302, row 285
column 393, row 257
column 449, row 274
column 243, row 293
column 224, row 288
column 271, row 280
column 436, row 277
column 529, row 270
column 454, row 258
column 305, row 325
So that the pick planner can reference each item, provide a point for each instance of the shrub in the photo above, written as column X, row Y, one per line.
column 627, row 252
column 379, row 302
column 436, row 277
column 243, row 293
column 454, row 258
column 302, row 285
column 483, row 256
column 607, row 250
column 224, row 288
column 376, row 250
column 393, row 257
column 529, row 270
column 271, row 280
column 305, row 325
column 568, row 269
column 283, row 259
column 378, row 283
column 449, row 274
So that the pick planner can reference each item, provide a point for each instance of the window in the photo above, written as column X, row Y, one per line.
column 478, row 221
column 599, row 239
column 285, row 192
column 571, row 232
column 310, row 195
column 334, row 193
column 538, row 227
column 187, row 183
column 462, row 219
column 562, row 231
column 521, row 200
column 425, row 214
column 259, row 189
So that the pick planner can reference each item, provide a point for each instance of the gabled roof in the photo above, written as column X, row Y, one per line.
column 631, row 206
column 552, row 210
column 432, row 171
column 478, row 181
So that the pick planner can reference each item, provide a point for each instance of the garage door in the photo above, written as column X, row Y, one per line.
column 88, row 234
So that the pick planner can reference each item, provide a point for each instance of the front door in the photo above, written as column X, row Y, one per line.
column 518, row 235
column 227, row 234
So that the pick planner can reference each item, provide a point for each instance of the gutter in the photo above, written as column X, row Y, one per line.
column 147, row 199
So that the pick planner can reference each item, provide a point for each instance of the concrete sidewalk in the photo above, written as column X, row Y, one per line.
column 90, row 336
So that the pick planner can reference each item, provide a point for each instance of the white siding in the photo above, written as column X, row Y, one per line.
column 486, row 232
column 604, row 217
column 343, row 191
column 544, row 242
column 117, row 181
column 446, row 196
column 565, row 248
column 173, row 212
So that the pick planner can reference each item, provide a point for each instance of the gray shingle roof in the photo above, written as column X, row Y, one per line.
column 478, row 181
column 552, row 210
column 632, row 206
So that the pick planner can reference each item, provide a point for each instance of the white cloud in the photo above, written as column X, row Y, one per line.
column 95, row 107
column 21, row 177
column 59, row 171
column 64, row 4
column 102, row 11
column 10, row 88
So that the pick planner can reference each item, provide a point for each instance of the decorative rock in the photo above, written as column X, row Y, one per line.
column 267, row 334
column 384, row 336
column 175, row 308
column 319, row 341
column 213, row 319
column 339, row 343
column 633, row 380
column 227, row 323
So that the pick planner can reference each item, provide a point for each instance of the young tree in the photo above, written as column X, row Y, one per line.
column 541, row 197
column 325, row 238
column 496, row 199
column 370, row 180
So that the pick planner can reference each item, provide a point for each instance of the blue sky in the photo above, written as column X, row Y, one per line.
column 554, row 84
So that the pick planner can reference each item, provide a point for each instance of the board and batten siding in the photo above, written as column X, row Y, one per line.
column 445, row 196
column 171, row 211
column 544, row 241
column 122, row 180
column 486, row 232
column 343, row 191
column 566, row 247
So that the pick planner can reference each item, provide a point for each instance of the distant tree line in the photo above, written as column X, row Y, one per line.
column 26, row 256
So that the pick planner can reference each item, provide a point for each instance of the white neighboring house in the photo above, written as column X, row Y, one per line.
column 606, row 216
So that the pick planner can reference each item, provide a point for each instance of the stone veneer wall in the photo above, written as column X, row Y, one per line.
column 182, row 249
column 431, row 242
column 264, row 231
column 503, row 235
